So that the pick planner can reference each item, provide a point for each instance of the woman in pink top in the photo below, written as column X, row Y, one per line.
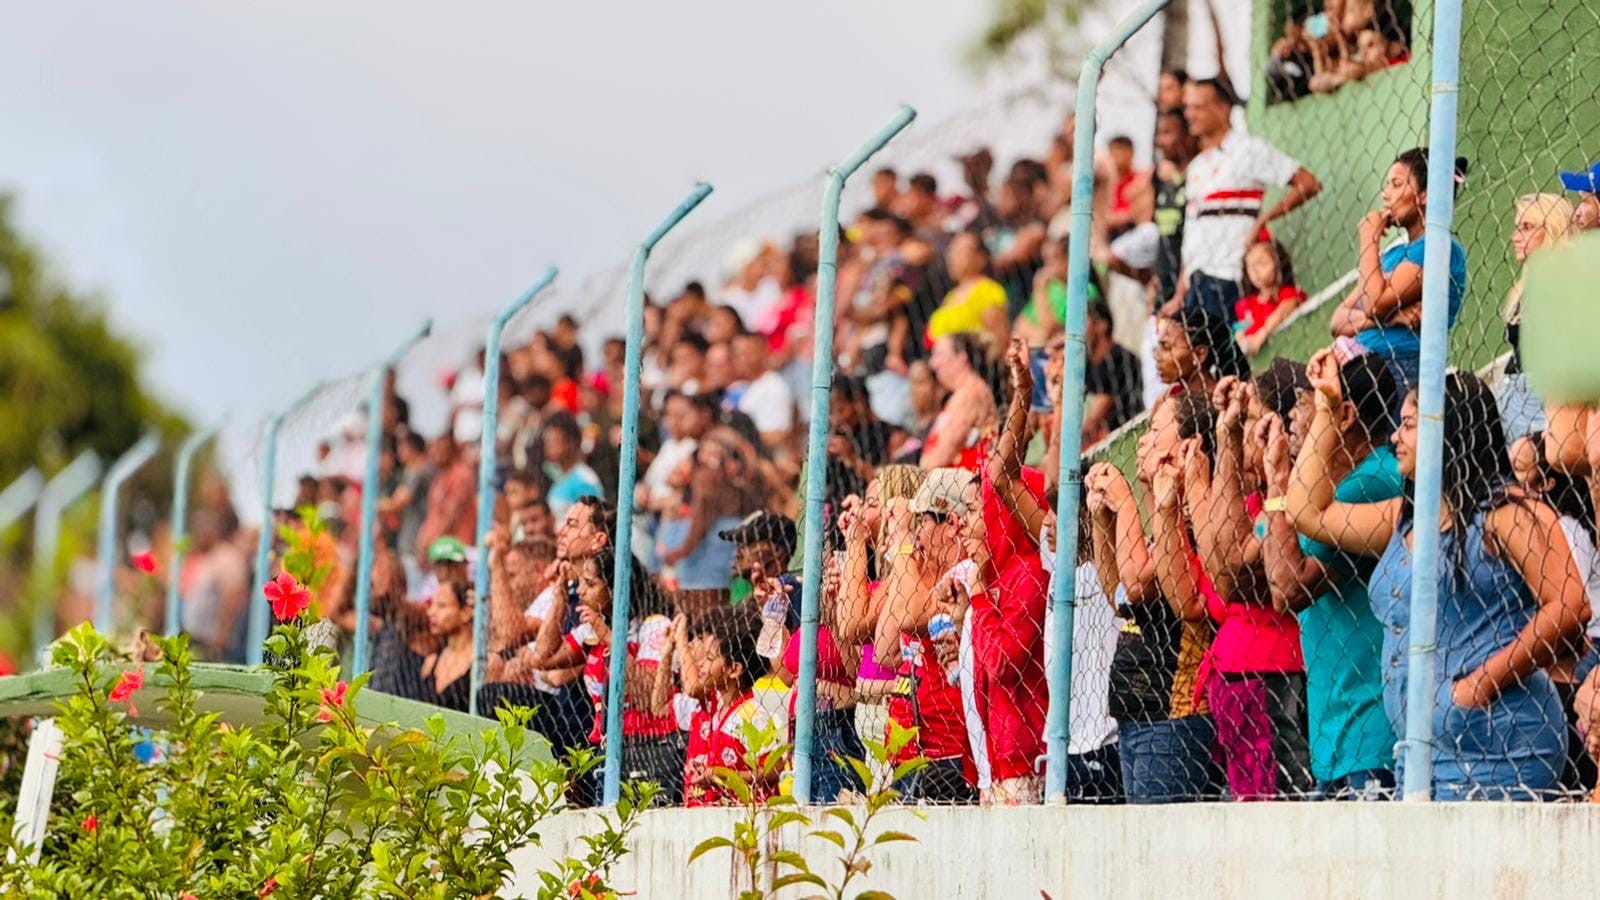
column 1253, row 676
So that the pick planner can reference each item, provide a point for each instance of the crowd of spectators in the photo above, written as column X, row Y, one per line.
column 1241, row 595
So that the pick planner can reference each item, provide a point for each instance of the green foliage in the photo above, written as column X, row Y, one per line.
column 310, row 803
column 769, row 871
column 1012, row 21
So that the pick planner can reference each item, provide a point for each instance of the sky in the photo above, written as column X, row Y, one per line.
column 268, row 193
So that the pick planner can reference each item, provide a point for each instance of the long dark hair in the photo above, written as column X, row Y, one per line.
column 1569, row 496
column 1476, row 473
column 1416, row 161
column 1203, row 329
column 645, row 599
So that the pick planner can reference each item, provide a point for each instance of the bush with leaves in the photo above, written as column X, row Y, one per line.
column 848, row 829
column 310, row 802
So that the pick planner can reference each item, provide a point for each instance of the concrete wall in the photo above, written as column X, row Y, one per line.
column 1219, row 850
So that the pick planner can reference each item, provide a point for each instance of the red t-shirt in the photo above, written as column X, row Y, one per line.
column 645, row 645
column 1009, row 680
column 925, row 698
column 716, row 740
column 1251, row 312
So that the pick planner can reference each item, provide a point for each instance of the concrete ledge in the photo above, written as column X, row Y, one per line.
column 1268, row 850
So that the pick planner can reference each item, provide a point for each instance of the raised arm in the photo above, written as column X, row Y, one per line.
column 1005, row 463
column 1361, row 528
column 1224, row 536
column 1295, row 579
column 1382, row 296
column 1173, row 573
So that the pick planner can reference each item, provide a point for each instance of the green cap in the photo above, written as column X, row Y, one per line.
column 447, row 549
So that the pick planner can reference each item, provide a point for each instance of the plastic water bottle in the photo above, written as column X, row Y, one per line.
column 940, row 625
column 773, row 635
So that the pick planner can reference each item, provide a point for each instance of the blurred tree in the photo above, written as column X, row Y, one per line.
column 1015, row 24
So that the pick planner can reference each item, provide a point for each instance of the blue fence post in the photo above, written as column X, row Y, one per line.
column 369, row 496
column 486, row 467
column 130, row 462
column 1418, row 740
column 20, row 496
column 817, row 444
column 627, row 478
column 180, row 520
column 256, row 609
column 59, row 493
column 1069, row 483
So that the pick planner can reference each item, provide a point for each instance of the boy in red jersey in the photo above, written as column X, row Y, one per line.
column 720, row 666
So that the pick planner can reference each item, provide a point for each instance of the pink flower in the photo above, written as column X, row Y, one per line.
column 187, row 896
column 267, row 887
column 128, row 682
column 145, row 562
column 288, row 598
column 332, row 697
column 90, row 823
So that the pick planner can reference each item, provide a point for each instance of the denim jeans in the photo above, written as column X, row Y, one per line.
column 1169, row 761
column 659, row 760
column 1095, row 777
column 834, row 740
column 1214, row 295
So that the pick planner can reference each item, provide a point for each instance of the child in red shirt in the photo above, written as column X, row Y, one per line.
column 720, row 668
column 1270, row 295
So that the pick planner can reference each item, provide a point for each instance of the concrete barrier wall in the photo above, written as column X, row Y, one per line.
column 1265, row 850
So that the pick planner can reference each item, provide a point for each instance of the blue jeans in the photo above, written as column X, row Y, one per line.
column 833, row 741
column 1095, row 777
column 1214, row 295
column 1169, row 761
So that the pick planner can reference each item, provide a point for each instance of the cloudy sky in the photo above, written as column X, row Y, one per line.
column 270, row 192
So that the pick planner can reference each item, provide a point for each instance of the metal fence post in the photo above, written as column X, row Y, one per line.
column 1418, row 740
column 59, row 493
column 486, row 467
column 1069, row 485
column 20, row 496
column 180, row 518
column 369, row 496
column 627, row 478
column 256, row 615
column 817, row 444
column 130, row 462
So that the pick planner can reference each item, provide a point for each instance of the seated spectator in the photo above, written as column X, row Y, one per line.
column 446, row 675
column 1352, row 744
column 1271, row 295
column 1586, row 212
column 1045, row 314
column 1292, row 59
column 1542, row 220
column 1384, row 310
column 1353, row 48
column 452, row 507
column 969, row 413
column 885, row 188
column 1510, row 597
column 762, row 394
column 723, row 487
column 925, row 397
column 719, row 668
column 570, row 477
column 977, row 303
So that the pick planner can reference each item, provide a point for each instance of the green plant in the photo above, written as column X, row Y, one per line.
column 311, row 802
column 850, row 830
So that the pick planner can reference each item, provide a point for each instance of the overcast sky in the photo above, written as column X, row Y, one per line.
column 268, row 192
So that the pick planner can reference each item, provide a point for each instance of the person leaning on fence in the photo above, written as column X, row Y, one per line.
column 1352, row 744
column 1165, row 732
column 1271, row 294
column 1227, row 185
column 1383, row 312
column 719, row 665
column 1510, row 599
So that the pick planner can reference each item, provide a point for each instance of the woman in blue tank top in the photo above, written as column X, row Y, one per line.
column 1510, row 599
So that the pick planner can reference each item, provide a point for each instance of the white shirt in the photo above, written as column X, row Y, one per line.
column 768, row 403
column 1226, row 186
column 1094, row 642
column 673, row 453
column 977, row 736
column 753, row 306
column 1583, row 553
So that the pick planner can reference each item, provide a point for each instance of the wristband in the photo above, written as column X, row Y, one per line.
column 1274, row 504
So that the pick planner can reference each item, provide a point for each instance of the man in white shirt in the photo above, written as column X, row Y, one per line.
column 766, row 398
column 1227, row 186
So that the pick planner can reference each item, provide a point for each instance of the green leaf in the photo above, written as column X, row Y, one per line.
column 734, row 783
column 791, row 859
column 795, row 878
column 786, row 817
column 843, row 815
column 833, row 837
column 708, row 845
column 890, row 836
column 909, row 767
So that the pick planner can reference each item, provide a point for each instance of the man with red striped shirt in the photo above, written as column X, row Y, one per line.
column 1227, row 186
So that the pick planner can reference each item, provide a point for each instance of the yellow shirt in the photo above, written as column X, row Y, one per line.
column 963, row 312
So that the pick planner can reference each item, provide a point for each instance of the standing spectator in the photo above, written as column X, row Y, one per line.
column 1586, row 212
column 885, row 188
column 1510, row 596
column 969, row 413
column 724, row 486
column 1352, row 744
column 920, row 206
column 1178, row 148
column 1384, row 310
column 1111, row 380
column 977, row 303
column 408, row 500
column 1131, row 197
column 451, row 510
column 764, row 396
column 1227, row 186
column 570, row 477
column 1271, row 294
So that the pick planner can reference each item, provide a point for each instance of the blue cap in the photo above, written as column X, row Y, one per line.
column 1583, row 182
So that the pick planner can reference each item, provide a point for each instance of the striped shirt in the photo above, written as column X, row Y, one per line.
column 1227, row 187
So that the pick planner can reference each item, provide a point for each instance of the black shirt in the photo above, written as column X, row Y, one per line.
column 1169, row 211
column 1118, row 376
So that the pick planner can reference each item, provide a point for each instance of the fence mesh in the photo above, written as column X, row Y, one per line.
column 1242, row 582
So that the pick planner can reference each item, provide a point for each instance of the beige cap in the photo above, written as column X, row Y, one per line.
column 947, row 492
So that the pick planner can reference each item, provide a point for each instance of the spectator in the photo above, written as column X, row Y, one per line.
column 405, row 503
column 1227, row 184
column 1045, row 313
column 970, row 411
column 527, row 509
column 445, row 678
column 724, row 486
column 1384, row 310
column 1169, row 89
column 1271, row 295
column 451, row 495
column 1177, row 147
column 717, row 652
column 977, row 303
column 762, row 393
column 925, row 397
column 885, row 188
column 1131, row 198
column 570, row 478
column 976, row 212
column 920, row 206
column 1194, row 350
column 1111, row 379
column 1586, row 212
column 216, row 589
column 1542, row 220
column 1510, row 596
column 1292, row 59
column 878, row 327
column 1352, row 755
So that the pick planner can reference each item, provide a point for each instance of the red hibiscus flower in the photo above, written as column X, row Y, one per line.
column 90, row 823
column 145, row 562
column 127, row 683
column 267, row 887
column 288, row 598
column 332, row 697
